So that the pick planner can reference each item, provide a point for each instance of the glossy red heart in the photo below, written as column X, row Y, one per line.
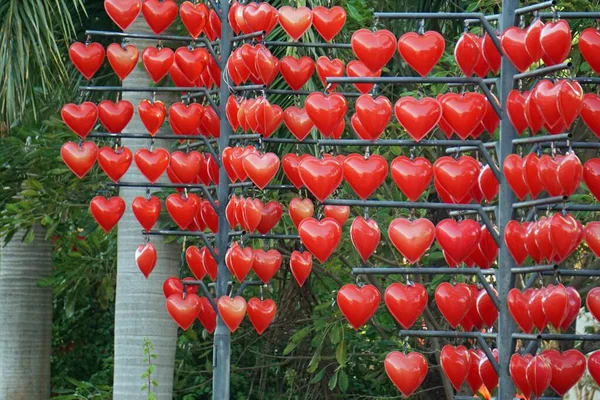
column 573, row 308
column 518, row 307
column 548, row 172
column 456, row 176
column 590, row 112
column 543, row 239
column 406, row 371
column 532, row 175
column 174, row 285
column 515, row 48
column 289, row 164
column 589, row 46
column 115, row 116
column 157, row 62
column 592, row 236
column 515, row 109
column 79, row 158
column 374, row 49
column 453, row 301
column 232, row 311
column 301, row 266
column 299, row 209
column 567, row 368
column 209, row 263
column 455, row 362
column 261, row 313
column 251, row 213
column 458, row 239
column 213, row 28
column 145, row 258
column 182, row 209
column 107, row 212
column 566, row 234
column 515, row 240
column 296, row 71
column 193, row 258
column 152, row 115
column 365, row 236
column 591, row 176
column 486, row 308
column 115, row 163
column 463, row 112
column 421, row 52
column 518, row 372
column 122, row 58
column 570, row 101
column 374, row 114
column 87, row 58
column 267, row 65
column 555, row 304
column 467, row 53
column 326, row 111
column 514, row 172
column 327, row 68
column 594, row 366
column 473, row 379
column 194, row 17
column 411, row 238
column 412, row 176
column 191, row 62
column 146, row 211
column 328, row 22
column 546, row 98
column 80, row 119
column 186, row 166
column 539, row 375
column 338, row 213
column 298, row 122
column 488, row 184
column 555, row 39
column 207, row 315
column 261, row 168
column 321, row 176
column 271, row 214
column 418, row 116
column 321, row 238
column 210, row 125
column 266, row 264
column 532, row 40
column 183, row 310
column 209, row 216
column 592, row 302
column 295, row 21
column 358, row 304
column 159, row 14
column 364, row 175
column 260, row 17
column 123, row 12
column 490, row 53
column 186, row 119
column 406, row 302
column 488, row 374
column 533, row 115
column 152, row 164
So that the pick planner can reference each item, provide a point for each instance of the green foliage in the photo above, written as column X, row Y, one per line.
column 149, row 355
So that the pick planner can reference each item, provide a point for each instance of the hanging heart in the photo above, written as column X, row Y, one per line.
column 467, row 53
column 123, row 12
column 191, row 62
column 357, row 69
column 115, row 163
column 152, row 164
column 209, row 263
column 87, row 58
column 159, row 15
column 193, row 258
column 488, row 374
column 261, row 313
column 267, row 65
column 301, row 266
column 406, row 371
column 518, row 372
column 453, row 302
column 411, row 238
column 573, row 308
column 183, row 310
column 365, row 236
column 412, row 176
column 418, row 116
column 458, row 239
column 374, row 114
column 567, row 369
column 107, row 212
column 122, row 58
column 296, row 71
column 456, row 176
column 531, row 164
column 79, row 158
column 592, row 302
column 266, row 264
column 592, row 236
column 514, row 172
column 261, row 168
column 590, row 112
column 513, row 44
column 271, row 214
column 455, row 362
column 473, row 379
column 157, row 62
column 174, row 285
column 182, row 209
column 327, row 68
column 589, row 46
column 543, row 239
column 566, row 234
column 490, row 53
column 186, row 119
column 145, row 258
column 326, row 111
column 421, row 52
column 374, row 49
column 406, row 303
column 338, row 213
column 514, row 238
column 321, row 176
column 194, row 17
column 533, row 115
column 207, row 315
column 515, row 109
column 115, row 116
column 539, row 375
column 591, row 176
column 488, row 184
column 532, row 40
column 232, row 311
column 298, row 122
column 358, row 304
column 594, row 366
column 486, row 308
column 518, row 307
column 146, row 211
column 295, row 21
column 260, row 17
column 555, row 39
column 328, row 22
column 152, row 115
column 463, row 112
column 81, row 119
column 365, row 175
column 321, row 238
column 300, row 209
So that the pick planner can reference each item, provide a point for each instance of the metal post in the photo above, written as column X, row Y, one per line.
column 505, row 279
column 222, row 337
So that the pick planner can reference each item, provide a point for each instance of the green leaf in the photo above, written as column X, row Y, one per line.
column 29, row 237
column 314, row 362
column 319, row 376
column 296, row 339
column 341, row 353
column 333, row 381
column 343, row 380
column 152, row 369
column 336, row 333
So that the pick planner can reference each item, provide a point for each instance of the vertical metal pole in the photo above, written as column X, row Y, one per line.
column 506, row 325
column 222, row 338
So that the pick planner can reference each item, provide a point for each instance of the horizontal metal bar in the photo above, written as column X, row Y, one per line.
column 421, row 271
column 574, row 207
column 146, row 136
column 248, row 88
column 399, row 142
column 446, row 334
column 401, row 204
column 462, row 149
column 552, row 336
column 533, row 268
column 268, row 187
column 158, row 185
column 576, row 272
column 307, row 92
column 248, row 283
column 574, row 145
column 426, row 15
column 272, row 236
column 164, row 232
column 157, row 89
column 587, row 80
column 534, row 7
column 406, row 80
column 542, row 139
column 248, row 36
column 543, row 71
column 147, row 36
column 571, row 15
column 472, row 212
column 311, row 45
column 492, row 17
column 540, row 202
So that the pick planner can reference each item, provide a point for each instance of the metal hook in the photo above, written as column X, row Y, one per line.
column 421, row 29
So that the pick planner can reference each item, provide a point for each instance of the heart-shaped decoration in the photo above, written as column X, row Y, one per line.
column 261, row 168
column 411, row 238
column 301, row 266
column 207, row 315
column 518, row 307
column 159, row 14
column 590, row 112
column 209, row 216
column 406, row 302
column 594, row 366
column 515, row 109
column 213, row 28
column 453, row 302
column 358, row 304
column 226, row 155
column 490, row 53
column 107, row 212
column 338, row 213
column 412, row 176
column 573, row 308
column 555, row 39
column 174, row 285
column 267, row 65
column 152, row 164
column 365, row 236
column 321, row 176
column 266, row 264
column 300, row 209
column 543, row 239
column 364, row 175
column 79, row 158
column 357, row 69
column 514, row 238
column 518, row 372
column 298, row 122
column 239, row 261
column 296, row 72
column 152, row 115
column 193, row 258
column 533, row 115
column 210, row 125
column 295, row 21
column 182, row 209
column 406, row 371
column 532, row 40
column 328, row 22
column 80, row 118
column 146, row 211
column 458, row 239
column 115, row 163
column 592, row 302
column 232, row 311
column 539, row 375
column 546, row 98
column 260, row 17
column 261, row 313
column 488, row 184
column 513, row 44
column 231, row 110
column 327, row 68
column 555, row 304
column 455, row 362
column 87, row 58
column 456, row 176
column 421, row 52
column 290, row 163
column 186, row 166
column 374, row 114
column 326, row 111
column 209, row 262
column 321, row 238
column 418, row 116
column 570, row 101
column 374, row 49
column 157, row 62
column 589, row 46
column 183, row 310
column 548, row 173
column 591, row 176
column 122, row 58
column 191, row 62
column 488, row 374
column 271, row 214
column 194, row 17
column 486, row 308
column 566, row 234
column 514, row 172
column 186, row 119
column 532, row 175
column 123, row 12
column 115, row 116
column 473, row 379
column 567, row 368
column 463, row 112
column 592, row 236
column 467, row 53
column 145, row 258
column 179, row 78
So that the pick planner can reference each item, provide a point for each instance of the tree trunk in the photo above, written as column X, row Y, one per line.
column 140, row 304
column 25, row 318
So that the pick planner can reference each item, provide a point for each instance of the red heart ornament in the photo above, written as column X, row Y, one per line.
column 374, row 49
column 566, row 234
column 327, row 68
column 412, row 176
column 407, row 372
column 213, row 28
column 467, row 53
column 514, row 172
column 261, row 313
column 365, row 236
column 338, row 213
column 463, row 112
column 514, row 46
column 123, row 12
column 591, row 176
column 321, row 238
column 191, row 62
column 107, row 212
column 364, row 175
column 115, row 116
column 488, row 184
column 260, row 17
column 539, row 375
column 592, row 302
column 453, row 302
column 590, row 112
column 421, row 52
column 174, row 285
column 458, row 239
column 152, row 164
column 455, row 362
column 555, row 304
column 518, row 307
column 183, row 310
column 486, row 308
column 267, row 65
column 573, row 308
column 406, row 302
column 159, row 14
column 271, row 214
column 114, row 163
column 456, row 176
column 80, row 119
column 193, row 257
column 543, row 239
column 418, row 116
column 514, row 238
column 589, row 46
column 357, row 69
column 289, row 164
column 374, row 114
column 592, row 236
column 296, row 72
column 157, row 62
column 515, row 109
column 239, row 261
column 518, row 372
column 266, row 264
column 146, row 211
column 295, row 21
column 532, row 40
column 261, row 168
column 186, row 119
column 488, row 374
column 209, row 216
column 87, row 58
column 122, row 58
column 152, row 115
column 532, row 175
column 301, row 266
column 79, row 159
column 358, row 304
column 533, row 115
column 570, row 101
column 299, row 209
column 473, row 379
column 548, row 173
column 594, row 366
column 490, row 53
column 194, row 17
column 328, row 22
column 232, row 311
column 298, row 122
column 326, row 111
column 251, row 214
column 182, row 209
column 567, row 368
column 186, row 166
column 321, row 176
column 555, row 39
column 145, row 258
column 207, row 315
column 209, row 262
column 411, row 238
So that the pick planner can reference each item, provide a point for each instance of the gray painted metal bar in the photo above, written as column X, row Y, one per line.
column 534, row 7
column 571, row 15
column 540, row 202
column 543, row 71
column 269, row 43
column 552, row 336
column 542, row 139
